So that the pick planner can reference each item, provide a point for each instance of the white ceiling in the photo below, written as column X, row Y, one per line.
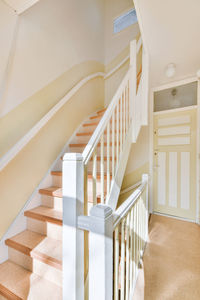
column 172, row 34
column 20, row 5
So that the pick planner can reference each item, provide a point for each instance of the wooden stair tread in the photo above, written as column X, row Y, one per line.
column 17, row 283
column 90, row 124
column 59, row 173
column 83, row 145
column 53, row 191
column 91, row 133
column 45, row 214
column 38, row 246
column 101, row 110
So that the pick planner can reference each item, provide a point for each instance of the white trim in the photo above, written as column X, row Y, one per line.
column 173, row 217
column 139, row 44
column 117, row 67
column 151, row 139
column 136, row 4
column 175, row 110
column 43, row 183
column 27, row 137
column 174, row 84
column 151, row 151
column 197, row 155
column 130, row 188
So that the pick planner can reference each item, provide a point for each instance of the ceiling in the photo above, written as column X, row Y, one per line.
column 19, row 6
column 171, row 31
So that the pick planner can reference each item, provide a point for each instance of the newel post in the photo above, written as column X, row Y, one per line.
column 73, row 238
column 101, row 253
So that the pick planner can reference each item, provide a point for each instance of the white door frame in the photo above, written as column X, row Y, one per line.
column 151, row 146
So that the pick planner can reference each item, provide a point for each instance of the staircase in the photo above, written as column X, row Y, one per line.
column 56, row 246
column 34, row 267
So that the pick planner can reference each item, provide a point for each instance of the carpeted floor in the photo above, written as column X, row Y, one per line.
column 171, row 264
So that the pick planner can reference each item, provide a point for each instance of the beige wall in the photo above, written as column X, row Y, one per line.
column 52, row 37
column 7, row 27
column 25, row 171
column 15, row 124
column 116, row 45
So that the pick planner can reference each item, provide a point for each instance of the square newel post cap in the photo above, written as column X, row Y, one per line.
column 101, row 211
column 72, row 157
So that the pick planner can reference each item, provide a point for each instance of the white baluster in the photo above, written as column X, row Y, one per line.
column 113, row 145
column 127, row 256
column 102, row 168
column 124, row 116
column 121, row 122
column 94, row 177
column 122, row 259
column 116, row 265
column 108, row 158
column 117, row 145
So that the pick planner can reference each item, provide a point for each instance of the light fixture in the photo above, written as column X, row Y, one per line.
column 174, row 102
column 170, row 70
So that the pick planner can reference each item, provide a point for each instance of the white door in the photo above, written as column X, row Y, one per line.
column 175, row 163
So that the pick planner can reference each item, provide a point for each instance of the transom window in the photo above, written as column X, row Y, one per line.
column 125, row 20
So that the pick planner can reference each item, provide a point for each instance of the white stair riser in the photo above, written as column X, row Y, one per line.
column 51, row 230
column 57, row 202
column 36, row 266
column 80, row 150
column 52, row 202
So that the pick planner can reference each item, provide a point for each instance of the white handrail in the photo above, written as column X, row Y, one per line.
column 130, row 188
column 35, row 129
column 94, row 140
column 125, row 207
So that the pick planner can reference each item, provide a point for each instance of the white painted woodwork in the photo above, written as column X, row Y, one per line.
column 185, row 180
column 172, row 141
column 173, row 178
column 101, row 253
column 73, row 206
column 173, row 130
column 161, row 186
column 174, row 120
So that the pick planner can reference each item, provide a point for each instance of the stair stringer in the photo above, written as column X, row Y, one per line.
column 117, row 181
column 20, row 222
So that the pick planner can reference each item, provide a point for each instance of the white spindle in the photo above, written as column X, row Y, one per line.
column 108, row 158
column 121, row 122
column 135, row 242
column 113, row 145
column 131, row 251
column 94, row 177
column 124, row 116
column 127, row 95
column 117, row 145
column 122, row 259
column 116, row 265
column 102, row 168
column 127, row 256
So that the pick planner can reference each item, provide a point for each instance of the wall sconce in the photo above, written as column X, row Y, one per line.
column 170, row 70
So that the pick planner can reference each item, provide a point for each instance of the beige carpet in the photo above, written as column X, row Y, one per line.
column 171, row 265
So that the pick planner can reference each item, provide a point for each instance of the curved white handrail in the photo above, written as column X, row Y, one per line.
column 34, row 130
column 117, row 67
column 27, row 137
column 125, row 207
column 94, row 140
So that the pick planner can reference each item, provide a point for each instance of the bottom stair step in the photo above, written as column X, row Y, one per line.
column 16, row 283
column 38, row 246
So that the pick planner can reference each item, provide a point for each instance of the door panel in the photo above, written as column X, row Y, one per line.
column 175, row 163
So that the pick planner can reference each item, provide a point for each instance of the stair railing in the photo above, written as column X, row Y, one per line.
column 104, row 160
column 116, row 245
